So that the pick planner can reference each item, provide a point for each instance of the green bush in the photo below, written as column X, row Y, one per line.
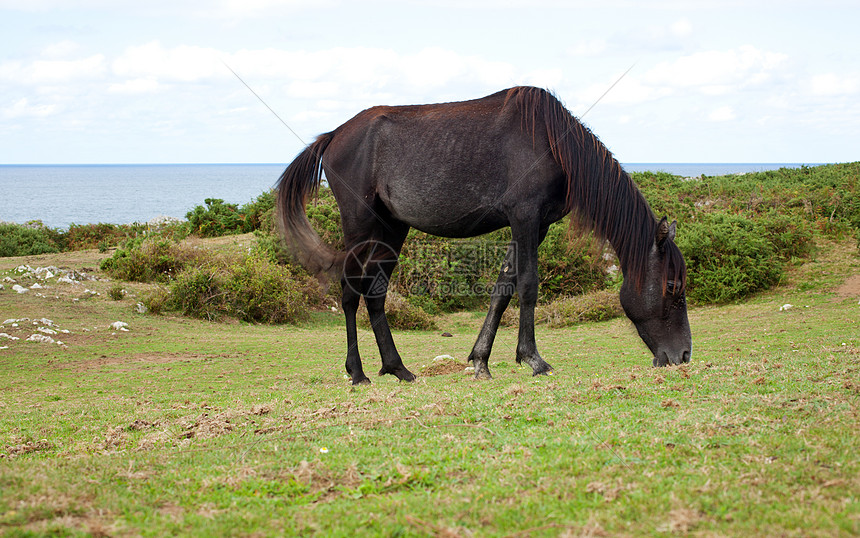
column 216, row 219
column 401, row 314
column 198, row 292
column 258, row 290
column 729, row 257
column 116, row 292
column 84, row 236
column 29, row 240
column 600, row 305
column 569, row 265
column 147, row 259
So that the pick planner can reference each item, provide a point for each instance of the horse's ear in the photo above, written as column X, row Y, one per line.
column 665, row 231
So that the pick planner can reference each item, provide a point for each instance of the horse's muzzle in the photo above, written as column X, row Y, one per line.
column 665, row 359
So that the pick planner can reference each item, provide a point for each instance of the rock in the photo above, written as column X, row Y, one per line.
column 8, row 336
column 140, row 308
column 20, row 289
column 786, row 306
column 45, row 330
column 163, row 220
column 36, row 286
column 66, row 280
column 119, row 326
column 8, row 280
column 443, row 357
column 40, row 338
column 447, row 335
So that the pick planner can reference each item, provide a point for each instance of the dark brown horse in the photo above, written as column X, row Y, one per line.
column 516, row 158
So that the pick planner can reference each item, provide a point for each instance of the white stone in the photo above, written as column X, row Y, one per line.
column 40, row 338
column 140, row 308
column 786, row 306
column 119, row 326
column 8, row 336
column 65, row 280
column 8, row 280
column 20, row 289
column 36, row 286
column 443, row 357
column 45, row 330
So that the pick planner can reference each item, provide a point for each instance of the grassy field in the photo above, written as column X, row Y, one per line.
column 183, row 427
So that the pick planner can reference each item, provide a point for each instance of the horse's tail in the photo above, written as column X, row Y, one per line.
column 300, row 180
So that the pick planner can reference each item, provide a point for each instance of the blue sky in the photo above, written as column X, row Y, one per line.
column 110, row 81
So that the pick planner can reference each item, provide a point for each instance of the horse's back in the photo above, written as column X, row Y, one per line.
column 447, row 168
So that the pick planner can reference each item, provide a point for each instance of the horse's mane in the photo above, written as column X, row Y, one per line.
column 599, row 193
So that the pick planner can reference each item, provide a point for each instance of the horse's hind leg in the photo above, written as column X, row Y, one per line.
column 349, row 303
column 501, row 295
column 378, row 267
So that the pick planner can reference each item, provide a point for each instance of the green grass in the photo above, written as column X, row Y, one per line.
column 183, row 427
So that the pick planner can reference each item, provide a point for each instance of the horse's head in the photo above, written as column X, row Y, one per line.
column 658, row 308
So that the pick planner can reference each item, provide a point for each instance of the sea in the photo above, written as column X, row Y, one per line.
column 61, row 195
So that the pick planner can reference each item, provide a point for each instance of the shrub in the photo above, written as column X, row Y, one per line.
column 401, row 314
column 790, row 235
column 259, row 213
column 198, row 292
column 148, row 259
column 29, row 240
column 83, row 236
column 116, row 292
column 569, row 265
column 597, row 305
column 216, row 219
column 156, row 301
column 258, row 290
column 729, row 257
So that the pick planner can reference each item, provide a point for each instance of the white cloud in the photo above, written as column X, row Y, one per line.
column 135, row 86
column 831, row 84
column 724, row 113
column 61, row 49
column 681, row 28
column 54, row 71
column 588, row 47
column 23, row 109
column 182, row 63
column 716, row 72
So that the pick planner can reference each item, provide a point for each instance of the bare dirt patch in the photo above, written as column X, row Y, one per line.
column 850, row 288
column 143, row 358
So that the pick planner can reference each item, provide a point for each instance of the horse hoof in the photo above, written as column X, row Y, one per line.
column 361, row 381
column 402, row 374
column 407, row 376
column 484, row 374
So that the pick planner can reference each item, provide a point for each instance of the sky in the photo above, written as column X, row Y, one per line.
column 113, row 81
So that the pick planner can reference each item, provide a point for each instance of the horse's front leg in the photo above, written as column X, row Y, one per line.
column 528, row 239
column 499, row 300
